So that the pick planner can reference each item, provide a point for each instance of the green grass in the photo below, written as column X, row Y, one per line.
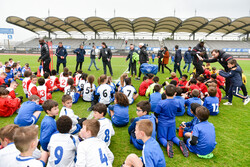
column 231, row 125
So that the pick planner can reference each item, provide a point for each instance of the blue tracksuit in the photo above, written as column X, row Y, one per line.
column 181, row 100
column 166, row 110
column 188, row 103
column 61, row 51
column 121, row 116
column 235, row 83
column 152, row 154
column 206, row 138
column 10, row 75
column 154, row 98
column 48, row 128
column 138, row 143
column 212, row 104
column 25, row 115
column 80, row 54
column 190, row 125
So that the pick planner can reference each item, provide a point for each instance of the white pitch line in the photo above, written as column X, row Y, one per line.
column 116, row 81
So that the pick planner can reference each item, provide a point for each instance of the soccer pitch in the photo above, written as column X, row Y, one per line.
column 231, row 125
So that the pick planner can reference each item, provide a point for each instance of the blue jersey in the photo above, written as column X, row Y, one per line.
column 167, row 110
column 181, row 101
column 121, row 116
column 206, row 137
column 25, row 115
column 190, row 125
column 212, row 104
column 152, row 154
column 10, row 75
column 188, row 103
column 48, row 128
column 153, row 56
column 154, row 99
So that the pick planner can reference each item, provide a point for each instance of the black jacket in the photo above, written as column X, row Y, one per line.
column 223, row 58
column 160, row 56
column 61, row 51
column 80, row 54
column 143, row 56
column 105, row 53
column 44, row 52
column 177, row 57
column 130, row 55
column 195, row 51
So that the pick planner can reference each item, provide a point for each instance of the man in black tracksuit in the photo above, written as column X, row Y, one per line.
column 160, row 59
column 199, row 50
column 45, row 57
column 223, row 58
column 177, row 60
column 143, row 57
column 132, row 63
column 61, row 54
column 106, row 55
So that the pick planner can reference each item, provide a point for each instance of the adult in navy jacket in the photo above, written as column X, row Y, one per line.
column 61, row 54
column 177, row 60
column 223, row 58
column 187, row 59
column 80, row 52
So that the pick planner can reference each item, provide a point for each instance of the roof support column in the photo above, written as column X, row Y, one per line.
column 247, row 36
column 49, row 35
column 95, row 35
column 194, row 36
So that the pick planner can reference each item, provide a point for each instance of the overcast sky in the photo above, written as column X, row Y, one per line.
column 124, row 8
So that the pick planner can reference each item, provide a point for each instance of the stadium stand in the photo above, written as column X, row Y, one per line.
column 114, row 44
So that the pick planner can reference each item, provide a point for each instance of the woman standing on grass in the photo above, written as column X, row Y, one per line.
column 165, row 59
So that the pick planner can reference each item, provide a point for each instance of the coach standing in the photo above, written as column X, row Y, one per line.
column 61, row 54
column 199, row 53
column 106, row 55
column 80, row 52
column 45, row 57
column 143, row 57
column 223, row 58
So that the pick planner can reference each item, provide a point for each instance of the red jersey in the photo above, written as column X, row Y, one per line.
column 2, row 81
column 32, row 90
column 54, row 81
column 25, row 84
column 150, row 81
column 12, row 93
column 177, row 80
column 77, row 77
column 192, row 87
column 220, row 81
column 8, row 106
column 202, row 87
column 48, row 84
column 182, row 84
column 218, row 94
column 143, row 88
column 207, row 74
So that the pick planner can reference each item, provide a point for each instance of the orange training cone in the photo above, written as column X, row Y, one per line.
column 38, row 73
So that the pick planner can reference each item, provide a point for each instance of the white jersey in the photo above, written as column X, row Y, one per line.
column 81, row 83
column 67, row 90
column 70, row 113
column 42, row 91
column 88, row 92
column 129, row 91
column 106, row 130
column 77, row 77
column 63, row 82
column 105, row 92
column 27, row 162
column 25, row 85
column 52, row 80
column 61, row 75
column 62, row 148
column 93, row 152
column 30, row 88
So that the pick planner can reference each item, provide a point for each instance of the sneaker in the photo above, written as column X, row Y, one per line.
column 127, row 72
column 208, row 156
column 97, row 69
column 227, row 104
column 246, row 100
column 184, row 149
column 224, row 98
column 137, row 78
column 89, row 70
column 90, row 109
column 170, row 149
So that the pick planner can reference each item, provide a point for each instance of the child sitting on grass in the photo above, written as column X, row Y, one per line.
column 188, row 126
column 8, row 105
column 130, row 91
column 106, row 129
column 26, row 140
column 152, row 154
column 63, row 143
column 155, row 97
column 194, row 99
column 212, row 102
column 119, row 111
column 71, row 90
column 181, row 100
column 30, row 112
column 202, row 141
column 142, row 111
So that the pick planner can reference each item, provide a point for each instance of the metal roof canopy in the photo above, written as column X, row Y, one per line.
column 142, row 24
